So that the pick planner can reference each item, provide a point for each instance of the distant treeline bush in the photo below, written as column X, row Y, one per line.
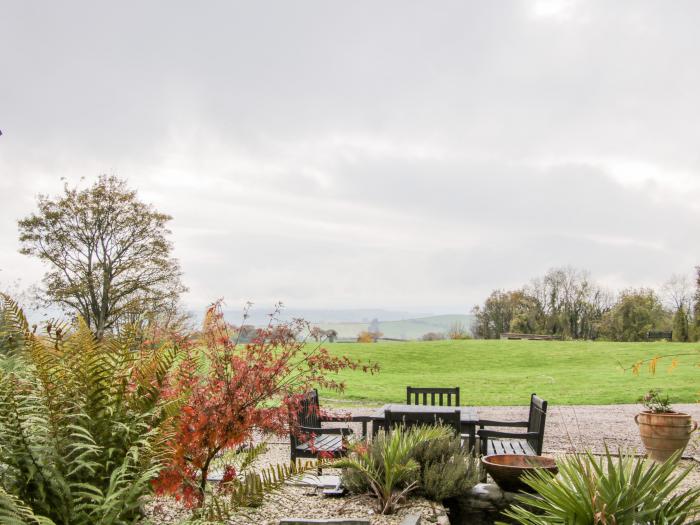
column 567, row 303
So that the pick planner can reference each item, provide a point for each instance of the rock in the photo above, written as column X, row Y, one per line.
column 411, row 519
column 489, row 491
column 443, row 520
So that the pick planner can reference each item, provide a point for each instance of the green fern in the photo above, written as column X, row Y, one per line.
column 79, row 422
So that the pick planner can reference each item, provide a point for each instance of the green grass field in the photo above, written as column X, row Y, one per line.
column 506, row 372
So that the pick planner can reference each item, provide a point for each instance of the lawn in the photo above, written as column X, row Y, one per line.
column 506, row 372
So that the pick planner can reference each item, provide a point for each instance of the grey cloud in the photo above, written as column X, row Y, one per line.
column 367, row 154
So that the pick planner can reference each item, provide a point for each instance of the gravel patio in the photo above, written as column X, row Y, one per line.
column 568, row 429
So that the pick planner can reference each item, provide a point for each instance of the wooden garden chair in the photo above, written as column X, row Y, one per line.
column 309, row 439
column 432, row 396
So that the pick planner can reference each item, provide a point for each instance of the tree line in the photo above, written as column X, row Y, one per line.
column 566, row 302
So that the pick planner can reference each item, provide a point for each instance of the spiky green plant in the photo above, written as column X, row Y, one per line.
column 78, row 422
column 617, row 489
column 386, row 466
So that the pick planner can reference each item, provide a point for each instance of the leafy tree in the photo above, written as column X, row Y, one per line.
column 635, row 313
column 571, row 303
column 108, row 253
column 245, row 388
column 506, row 311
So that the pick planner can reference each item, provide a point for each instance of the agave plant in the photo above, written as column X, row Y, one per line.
column 78, row 423
column 387, row 467
column 614, row 489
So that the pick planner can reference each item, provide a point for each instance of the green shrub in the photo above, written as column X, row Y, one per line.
column 78, row 423
column 386, row 467
column 447, row 470
column 614, row 489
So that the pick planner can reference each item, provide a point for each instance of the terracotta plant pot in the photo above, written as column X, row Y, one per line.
column 664, row 433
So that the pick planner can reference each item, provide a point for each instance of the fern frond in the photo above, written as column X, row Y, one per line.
column 14, row 511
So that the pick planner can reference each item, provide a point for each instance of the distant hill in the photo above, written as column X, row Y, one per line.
column 258, row 315
column 403, row 329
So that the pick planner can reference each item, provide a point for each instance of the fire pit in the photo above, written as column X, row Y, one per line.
column 506, row 469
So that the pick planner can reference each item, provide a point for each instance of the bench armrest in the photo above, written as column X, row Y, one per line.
column 498, row 434
column 489, row 423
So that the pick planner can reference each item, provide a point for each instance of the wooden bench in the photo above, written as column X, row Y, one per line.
column 528, row 442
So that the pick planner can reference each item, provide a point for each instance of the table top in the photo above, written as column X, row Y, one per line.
column 466, row 414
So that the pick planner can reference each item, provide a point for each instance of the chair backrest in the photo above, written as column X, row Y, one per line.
column 536, row 420
column 410, row 419
column 308, row 415
column 309, row 410
column 432, row 396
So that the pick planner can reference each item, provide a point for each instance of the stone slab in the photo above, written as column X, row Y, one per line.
column 323, row 482
column 332, row 521
column 411, row 519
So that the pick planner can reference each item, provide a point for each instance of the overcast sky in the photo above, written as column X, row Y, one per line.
column 411, row 155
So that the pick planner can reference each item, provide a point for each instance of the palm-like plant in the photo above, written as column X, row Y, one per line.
column 387, row 467
column 613, row 489
column 78, row 423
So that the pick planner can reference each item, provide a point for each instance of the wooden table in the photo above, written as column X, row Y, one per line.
column 468, row 417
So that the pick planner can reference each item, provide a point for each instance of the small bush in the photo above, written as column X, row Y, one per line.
column 447, row 470
column 386, row 467
column 433, row 336
column 368, row 337
column 458, row 331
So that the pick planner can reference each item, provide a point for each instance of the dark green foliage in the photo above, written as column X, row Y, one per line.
column 614, row 489
column 78, row 423
column 635, row 313
column 681, row 327
column 447, row 470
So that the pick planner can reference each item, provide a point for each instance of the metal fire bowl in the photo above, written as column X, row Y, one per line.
column 507, row 469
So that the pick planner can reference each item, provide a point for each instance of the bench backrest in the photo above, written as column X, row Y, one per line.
column 536, row 420
column 432, row 396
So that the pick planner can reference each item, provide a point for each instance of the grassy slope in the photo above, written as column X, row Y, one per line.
column 506, row 372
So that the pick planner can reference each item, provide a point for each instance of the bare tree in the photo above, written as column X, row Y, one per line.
column 677, row 292
column 108, row 253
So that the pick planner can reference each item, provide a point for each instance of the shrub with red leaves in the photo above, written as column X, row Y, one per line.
column 231, row 390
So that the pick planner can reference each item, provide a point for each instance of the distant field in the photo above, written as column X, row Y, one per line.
column 506, row 372
column 405, row 329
